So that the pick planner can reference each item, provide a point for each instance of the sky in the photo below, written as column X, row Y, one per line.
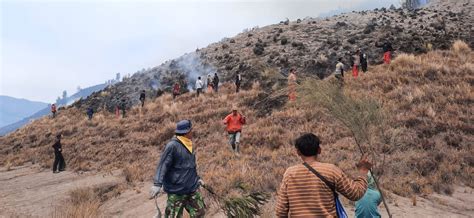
column 50, row 46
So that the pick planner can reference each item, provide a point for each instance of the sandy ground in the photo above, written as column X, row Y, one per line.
column 32, row 192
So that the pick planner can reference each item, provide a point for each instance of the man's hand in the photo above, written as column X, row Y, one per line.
column 201, row 183
column 364, row 165
column 155, row 190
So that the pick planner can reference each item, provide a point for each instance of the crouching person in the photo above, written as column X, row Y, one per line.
column 176, row 175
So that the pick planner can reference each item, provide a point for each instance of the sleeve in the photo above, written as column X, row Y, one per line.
column 242, row 119
column 226, row 119
column 166, row 160
column 351, row 189
column 283, row 206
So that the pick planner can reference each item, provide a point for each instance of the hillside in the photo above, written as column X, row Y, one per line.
column 428, row 99
column 14, row 109
column 45, row 110
column 311, row 45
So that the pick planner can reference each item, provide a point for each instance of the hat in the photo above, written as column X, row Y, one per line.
column 183, row 127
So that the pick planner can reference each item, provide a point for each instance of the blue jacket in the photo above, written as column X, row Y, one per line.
column 176, row 171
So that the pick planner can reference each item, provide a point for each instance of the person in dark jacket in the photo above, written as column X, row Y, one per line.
column 363, row 61
column 238, row 80
column 176, row 175
column 90, row 112
column 59, row 164
column 215, row 82
column 123, row 107
column 142, row 97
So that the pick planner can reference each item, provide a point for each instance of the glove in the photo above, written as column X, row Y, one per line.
column 201, row 182
column 155, row 190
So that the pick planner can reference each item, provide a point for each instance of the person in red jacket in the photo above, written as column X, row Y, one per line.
column 176, row 90
column 234, row 122
column 53, row 110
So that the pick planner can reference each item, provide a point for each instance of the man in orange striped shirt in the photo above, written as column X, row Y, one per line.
column 302, row 194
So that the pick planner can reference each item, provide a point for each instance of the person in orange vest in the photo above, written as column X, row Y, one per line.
column 387, row 51
column 176, row 90
column 53, row 110
column 234, row 122
column 292, row 85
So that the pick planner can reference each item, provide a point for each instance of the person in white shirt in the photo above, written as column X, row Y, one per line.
column 199, row 85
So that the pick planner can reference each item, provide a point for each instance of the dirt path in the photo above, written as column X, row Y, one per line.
column 32, row 192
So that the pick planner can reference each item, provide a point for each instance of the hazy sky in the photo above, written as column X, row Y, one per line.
column 50, row 46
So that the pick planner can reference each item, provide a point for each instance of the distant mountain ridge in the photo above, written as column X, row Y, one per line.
column 45, row 110
column 14, row 109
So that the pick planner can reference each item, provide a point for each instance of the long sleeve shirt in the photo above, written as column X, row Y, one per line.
column 302, row 194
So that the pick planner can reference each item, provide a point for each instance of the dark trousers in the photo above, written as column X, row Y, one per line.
column 199, row 91
column 143, row 102
column 364, row 67
column 59, row 163
column 216, row 87
column 90, row 116
column 123, row 113
column 237, row 87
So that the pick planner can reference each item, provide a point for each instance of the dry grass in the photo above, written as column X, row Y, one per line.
column 427, row 137
column 85, row 202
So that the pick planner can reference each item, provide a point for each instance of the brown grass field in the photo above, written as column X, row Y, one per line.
column 423, row 146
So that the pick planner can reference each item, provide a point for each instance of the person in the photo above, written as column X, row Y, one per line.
column 53, row 110
column 363, row 61
column 59, row 164
column 90, row 112
column 215, row 82
column 209, row 83
column 176, row 90
column 367, row 206
column 123, row 107
column 356, row 64
column 292, row 85
column 234, row 122
column 302, row 193
column 339, row 73
column 238, row 80
column 387, row 52
column 142, row 97
column 177, row 175
column 199, row 85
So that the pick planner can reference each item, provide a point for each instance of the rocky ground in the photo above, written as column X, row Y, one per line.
column 311, row 45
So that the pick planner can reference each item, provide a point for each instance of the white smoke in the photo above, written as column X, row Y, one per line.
column 192, row 66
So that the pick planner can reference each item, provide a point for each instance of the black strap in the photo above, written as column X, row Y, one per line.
column 329, row 184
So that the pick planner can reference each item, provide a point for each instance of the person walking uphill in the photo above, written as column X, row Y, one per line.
column 363, row 61
column 53, row 110
column 238, row 80
column 199, row 86
column 292, row 85
column 356, row 64
column 176, row 90
column 59, row 164
column 234, row 122
column 387, row 51
column 215, row 82
column 90, row 112
column 304, row 194
column 339, row 73
column 123, row 107
column 142, row 97
column 176, row 175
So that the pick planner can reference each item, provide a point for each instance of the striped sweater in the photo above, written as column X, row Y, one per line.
column 302, row 194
